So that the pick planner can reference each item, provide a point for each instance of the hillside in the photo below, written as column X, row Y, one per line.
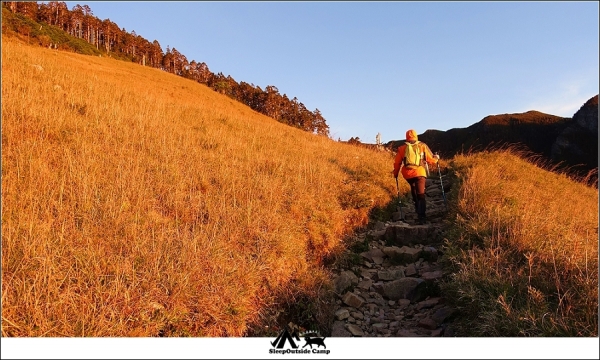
column 54, row 26
column 140, row 203
column 137, row 203
column 520, row 265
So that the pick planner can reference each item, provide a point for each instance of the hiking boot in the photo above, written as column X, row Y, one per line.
column 422, row 220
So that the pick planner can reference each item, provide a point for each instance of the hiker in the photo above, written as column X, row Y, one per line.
column 412, row 158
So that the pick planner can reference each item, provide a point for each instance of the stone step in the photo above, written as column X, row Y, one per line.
column 392, row 291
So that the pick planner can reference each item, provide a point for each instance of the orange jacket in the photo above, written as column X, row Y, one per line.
column 413, row 171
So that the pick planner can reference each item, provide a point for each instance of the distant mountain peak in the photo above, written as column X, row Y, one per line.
column 530, row 117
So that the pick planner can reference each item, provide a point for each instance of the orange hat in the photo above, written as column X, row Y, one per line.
column 411, row 135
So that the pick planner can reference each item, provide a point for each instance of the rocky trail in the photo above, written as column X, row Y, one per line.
column 393, row 288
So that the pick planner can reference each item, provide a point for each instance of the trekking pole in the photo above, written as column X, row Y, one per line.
column 442, row 183
column 399, row 201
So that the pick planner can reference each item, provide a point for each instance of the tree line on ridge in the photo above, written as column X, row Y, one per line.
column 106, row 36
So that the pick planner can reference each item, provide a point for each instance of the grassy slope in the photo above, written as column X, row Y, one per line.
column 524, row 249
column 139, row 203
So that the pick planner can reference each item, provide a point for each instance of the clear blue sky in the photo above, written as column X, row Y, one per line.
column 386, row 67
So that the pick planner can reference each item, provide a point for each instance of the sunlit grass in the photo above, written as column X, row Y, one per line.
column 138, row 203
column 524, row 248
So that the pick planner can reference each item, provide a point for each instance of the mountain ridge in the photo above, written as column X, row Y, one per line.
column 564, row 142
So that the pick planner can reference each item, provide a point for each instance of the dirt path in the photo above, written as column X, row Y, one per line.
column 392, row 290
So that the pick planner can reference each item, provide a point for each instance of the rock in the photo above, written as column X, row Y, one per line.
column 353, row 300
column 354, row 330
column 377, row 234
column 428, row 304
column 403, row 303
column 428, row 323
column 434, row 192
column 434, row 275
column 404, row 288
column 377, row 296
column 365, row 285
column 342, row 314
column 436, row 332
column 388, row 275
column 406, row 333
column 378, row 260
column 342, row 282
column 357, row 315
column 339, row 330
column 378, row 287
column 442, row 314
column 425, row 267
column 374, row 255
column 391, row 251
column 430, row 253
column 394, row 233
column 425, row 234
column 372, row 308
column 352, row 276
column 410, row 270
column 366, row 274
column 380, row 326
column 379, row 225
column 408, row 255
column 397, row 216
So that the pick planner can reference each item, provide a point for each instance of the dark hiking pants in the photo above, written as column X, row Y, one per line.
column 417, row 190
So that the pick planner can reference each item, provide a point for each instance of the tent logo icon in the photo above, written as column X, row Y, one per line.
column 286, row 337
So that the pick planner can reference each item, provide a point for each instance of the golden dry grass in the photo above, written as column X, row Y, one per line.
column 139, row 203
column 524, row 248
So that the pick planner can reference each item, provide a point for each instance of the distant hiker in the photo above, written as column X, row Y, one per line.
column 412, row 157
column 378, row 138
